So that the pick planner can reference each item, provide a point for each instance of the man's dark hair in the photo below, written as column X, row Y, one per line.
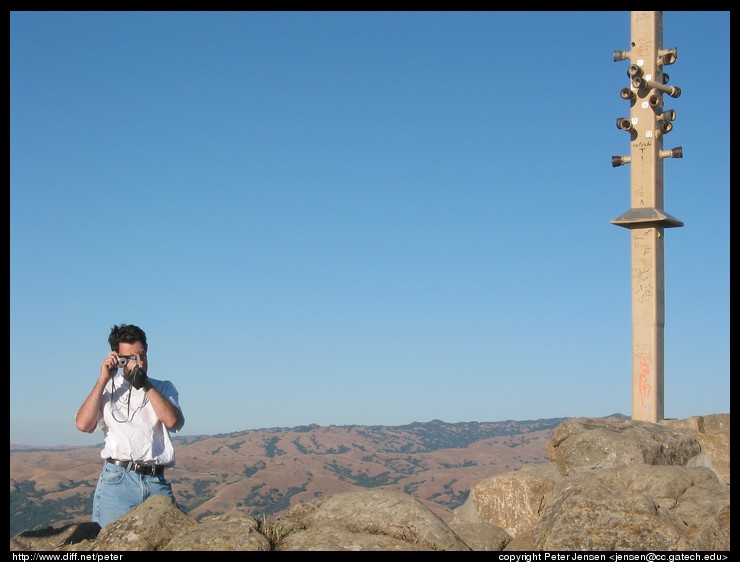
column 126, row 333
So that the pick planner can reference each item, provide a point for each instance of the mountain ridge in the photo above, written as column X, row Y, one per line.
column 297, row 428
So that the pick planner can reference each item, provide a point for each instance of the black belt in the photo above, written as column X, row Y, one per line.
column 150, row 469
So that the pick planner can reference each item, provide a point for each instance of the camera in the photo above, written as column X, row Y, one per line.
column 123, row 359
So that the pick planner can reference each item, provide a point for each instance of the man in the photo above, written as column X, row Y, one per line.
column 136, row 414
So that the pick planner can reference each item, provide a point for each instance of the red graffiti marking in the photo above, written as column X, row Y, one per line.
column 645, row 387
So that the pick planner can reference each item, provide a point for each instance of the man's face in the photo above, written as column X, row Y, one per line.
column 136, row 348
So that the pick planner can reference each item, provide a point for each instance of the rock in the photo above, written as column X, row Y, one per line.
column 511, row 501
column 148, row 526
column 231, row 531
column 366, row 520
column 54, row 538
column 586, row 444
column 713, row 435
column 481, row 536
column 631, row 508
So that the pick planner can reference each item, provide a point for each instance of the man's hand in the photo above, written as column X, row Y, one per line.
column 109, row 366
column 137, row 378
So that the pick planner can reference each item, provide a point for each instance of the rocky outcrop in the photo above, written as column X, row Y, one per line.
column 713, row 435
column 582, row 445
column 615, row 485
column 364, row 520
column 611, row 485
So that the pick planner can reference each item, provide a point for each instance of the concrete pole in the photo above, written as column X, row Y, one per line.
column 647, row 124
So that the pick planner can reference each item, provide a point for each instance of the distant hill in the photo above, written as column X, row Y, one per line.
column 265, row 471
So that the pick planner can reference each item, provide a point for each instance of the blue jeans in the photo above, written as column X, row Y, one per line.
column 120, row 490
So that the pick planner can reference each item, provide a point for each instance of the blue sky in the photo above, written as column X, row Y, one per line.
column 369, row 218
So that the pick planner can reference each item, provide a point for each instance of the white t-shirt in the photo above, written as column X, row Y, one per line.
column 132, row 430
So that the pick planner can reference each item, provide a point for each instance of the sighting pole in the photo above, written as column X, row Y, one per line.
column 647, row 124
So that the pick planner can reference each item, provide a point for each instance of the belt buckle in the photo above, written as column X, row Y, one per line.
column 148, row 469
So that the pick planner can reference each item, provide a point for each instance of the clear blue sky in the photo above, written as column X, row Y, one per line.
column 355, row 217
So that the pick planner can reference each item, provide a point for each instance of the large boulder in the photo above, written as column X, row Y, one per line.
column 637, row 507
column 587, row 444
column 230, row 531
column 365, row 520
